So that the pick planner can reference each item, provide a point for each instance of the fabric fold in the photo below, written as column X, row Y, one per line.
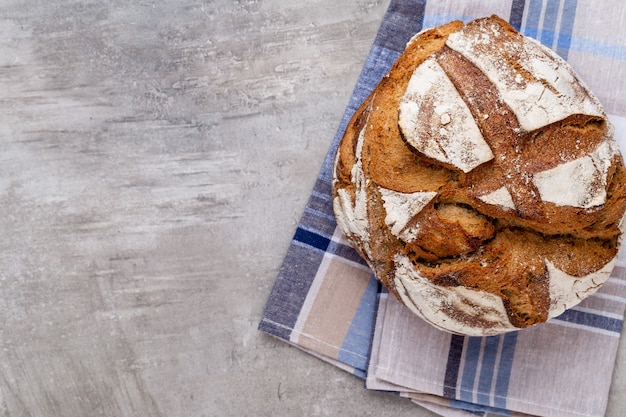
column 326, row 302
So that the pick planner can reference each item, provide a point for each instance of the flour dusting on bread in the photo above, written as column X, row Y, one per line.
column 481, row 181
column 538, row 85
column 435, row 120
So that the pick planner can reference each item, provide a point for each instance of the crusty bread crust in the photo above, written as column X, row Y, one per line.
column 481, row 248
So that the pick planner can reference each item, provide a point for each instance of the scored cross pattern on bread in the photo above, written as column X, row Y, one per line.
column 481, row 181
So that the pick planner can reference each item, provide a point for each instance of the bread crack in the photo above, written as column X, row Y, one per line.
column 482, row 224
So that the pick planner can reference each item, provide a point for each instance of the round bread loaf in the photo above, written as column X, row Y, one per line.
column 481, row 181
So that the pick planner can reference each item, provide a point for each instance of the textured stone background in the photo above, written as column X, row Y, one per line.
column 155, row 157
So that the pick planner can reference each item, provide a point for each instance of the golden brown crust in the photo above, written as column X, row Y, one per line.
column 401, row 163
column 459, row 239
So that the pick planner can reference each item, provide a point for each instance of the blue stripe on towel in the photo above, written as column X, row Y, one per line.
column 591, row 320
column 355, row 349
column 507, row 353
column 566, row 28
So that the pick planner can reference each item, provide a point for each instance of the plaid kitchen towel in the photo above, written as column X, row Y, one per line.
column 326, row 302
column 539, row 371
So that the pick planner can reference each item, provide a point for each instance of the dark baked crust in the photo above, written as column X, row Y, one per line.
column 462, row 241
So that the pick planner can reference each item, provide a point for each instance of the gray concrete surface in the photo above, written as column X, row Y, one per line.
column 155, row 157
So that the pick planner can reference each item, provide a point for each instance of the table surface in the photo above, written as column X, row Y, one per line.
column 156, row 157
